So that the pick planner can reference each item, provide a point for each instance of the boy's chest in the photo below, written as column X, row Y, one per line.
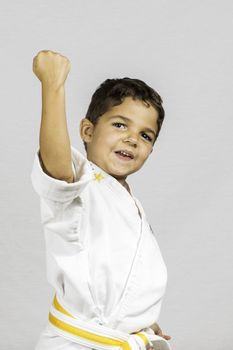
column 112, row 223
column 105, row 208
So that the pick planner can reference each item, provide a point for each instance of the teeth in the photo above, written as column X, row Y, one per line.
column 125, row 154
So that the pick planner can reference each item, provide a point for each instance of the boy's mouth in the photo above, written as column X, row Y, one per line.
column 125, row 154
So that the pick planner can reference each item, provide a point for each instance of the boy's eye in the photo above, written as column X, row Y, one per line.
column 146, row 137
column 119, row 125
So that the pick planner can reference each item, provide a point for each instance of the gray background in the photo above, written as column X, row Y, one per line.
column 184, row 50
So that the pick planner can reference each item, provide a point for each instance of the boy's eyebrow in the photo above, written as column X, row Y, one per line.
column 129, row 120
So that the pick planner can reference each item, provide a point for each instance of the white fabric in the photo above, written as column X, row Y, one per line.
column 102, row 256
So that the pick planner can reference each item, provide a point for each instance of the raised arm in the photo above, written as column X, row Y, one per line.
column 52, row 69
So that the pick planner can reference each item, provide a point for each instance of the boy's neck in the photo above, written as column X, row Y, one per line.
column 122, row 180
column 124, row 183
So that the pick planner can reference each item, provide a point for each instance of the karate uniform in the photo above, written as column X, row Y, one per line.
column 102, row 256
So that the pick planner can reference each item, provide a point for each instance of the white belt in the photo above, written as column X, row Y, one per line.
column 97, row 336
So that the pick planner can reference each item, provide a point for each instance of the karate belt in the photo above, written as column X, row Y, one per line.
column 93, row 335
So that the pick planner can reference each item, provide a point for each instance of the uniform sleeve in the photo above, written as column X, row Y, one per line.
column 61, row 204
column 57, row 190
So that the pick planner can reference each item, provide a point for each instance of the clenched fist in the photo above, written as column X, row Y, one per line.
column 51, row 68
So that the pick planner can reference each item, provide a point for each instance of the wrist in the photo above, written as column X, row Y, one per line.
column 53, row 99
column 53, row 88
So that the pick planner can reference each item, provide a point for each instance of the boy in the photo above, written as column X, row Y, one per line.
column 102, row 257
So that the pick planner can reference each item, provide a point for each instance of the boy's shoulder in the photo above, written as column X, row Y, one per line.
column 58, row 190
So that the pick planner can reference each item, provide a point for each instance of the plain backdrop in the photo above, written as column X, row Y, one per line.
column 183, row 49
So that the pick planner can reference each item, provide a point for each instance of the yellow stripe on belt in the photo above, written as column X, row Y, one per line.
column 89, row 336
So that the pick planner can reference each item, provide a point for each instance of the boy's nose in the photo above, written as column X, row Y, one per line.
column 132, row 140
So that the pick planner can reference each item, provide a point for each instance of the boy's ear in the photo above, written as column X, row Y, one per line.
column 86, row 129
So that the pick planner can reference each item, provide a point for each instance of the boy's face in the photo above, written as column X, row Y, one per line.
column 122, row 139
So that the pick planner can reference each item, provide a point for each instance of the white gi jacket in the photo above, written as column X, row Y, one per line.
column 102, row 256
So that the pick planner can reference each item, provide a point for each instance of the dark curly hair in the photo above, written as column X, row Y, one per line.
column 112, row 92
